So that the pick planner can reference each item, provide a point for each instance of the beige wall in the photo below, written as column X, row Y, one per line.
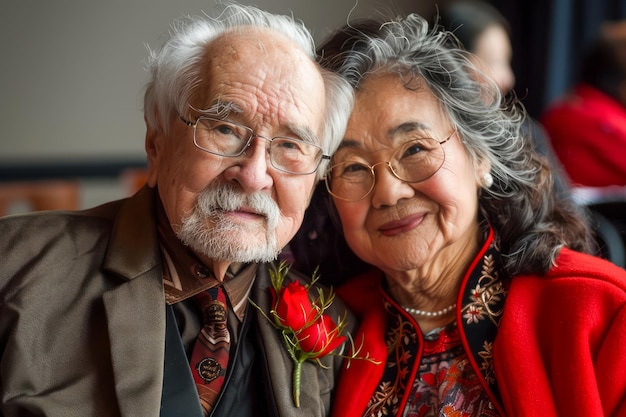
column 71, row 78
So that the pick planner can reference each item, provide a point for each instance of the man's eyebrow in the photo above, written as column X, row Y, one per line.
column 220, row 109
column 223, row 109
column 305, row 133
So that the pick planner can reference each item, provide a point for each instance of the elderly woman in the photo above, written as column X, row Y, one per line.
column 483, row 301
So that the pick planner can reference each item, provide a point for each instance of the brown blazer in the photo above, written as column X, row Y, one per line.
column 82, row 318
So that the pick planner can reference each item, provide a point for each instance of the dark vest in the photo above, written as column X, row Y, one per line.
column 246, row 391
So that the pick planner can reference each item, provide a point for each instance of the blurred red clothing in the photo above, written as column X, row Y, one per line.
column 587, row 129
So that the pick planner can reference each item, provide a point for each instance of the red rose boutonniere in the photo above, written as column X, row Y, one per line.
column 309, row 334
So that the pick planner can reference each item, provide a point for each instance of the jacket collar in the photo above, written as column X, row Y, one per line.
column 135, row 310
column 134, row 245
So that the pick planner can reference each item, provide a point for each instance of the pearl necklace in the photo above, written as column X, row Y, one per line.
column 430, row 313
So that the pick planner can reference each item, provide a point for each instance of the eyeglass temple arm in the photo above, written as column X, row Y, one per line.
column 449, row 137
column 185, row 121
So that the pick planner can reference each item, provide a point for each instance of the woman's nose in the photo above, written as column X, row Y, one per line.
column 388, row 188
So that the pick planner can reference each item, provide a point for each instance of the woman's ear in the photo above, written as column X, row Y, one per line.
column 485, row 179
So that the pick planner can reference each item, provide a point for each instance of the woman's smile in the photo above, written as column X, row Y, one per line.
column 405, row 224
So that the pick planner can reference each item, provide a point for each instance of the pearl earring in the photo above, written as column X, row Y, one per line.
column 487, row 180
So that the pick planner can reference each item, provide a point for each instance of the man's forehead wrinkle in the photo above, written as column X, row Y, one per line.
column 259, row 92
column 233, row 51
column 273, row 103
column 280, row 103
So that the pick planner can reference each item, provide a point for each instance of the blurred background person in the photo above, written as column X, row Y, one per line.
column 486, row 33
column 483, row 30
column 587, row 126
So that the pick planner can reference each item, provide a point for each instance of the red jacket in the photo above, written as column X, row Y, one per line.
column 587, row 130
column 552, row 345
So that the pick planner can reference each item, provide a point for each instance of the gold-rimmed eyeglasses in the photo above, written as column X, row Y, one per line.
column 225, row 138
column 415, row 160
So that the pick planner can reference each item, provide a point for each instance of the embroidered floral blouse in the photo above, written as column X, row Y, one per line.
column 446, row 384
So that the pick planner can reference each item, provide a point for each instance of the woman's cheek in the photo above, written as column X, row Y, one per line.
column 353, row 217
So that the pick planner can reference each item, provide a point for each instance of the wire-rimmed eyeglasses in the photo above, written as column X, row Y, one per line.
column 225, row 138
column 415, row 160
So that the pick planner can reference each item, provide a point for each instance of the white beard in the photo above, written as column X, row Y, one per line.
column 208, row 231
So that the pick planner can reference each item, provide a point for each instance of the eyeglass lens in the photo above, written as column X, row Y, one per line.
column 351, row 178
column 223, row 138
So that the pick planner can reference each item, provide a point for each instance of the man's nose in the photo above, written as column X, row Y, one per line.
column 252, row 166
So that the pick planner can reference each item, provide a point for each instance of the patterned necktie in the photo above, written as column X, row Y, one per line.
column 209, row 358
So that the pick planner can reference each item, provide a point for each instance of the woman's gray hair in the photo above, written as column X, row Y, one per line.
column 531, row 222
column 176, row 68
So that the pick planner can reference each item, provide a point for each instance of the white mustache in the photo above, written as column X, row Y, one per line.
column 223, row 197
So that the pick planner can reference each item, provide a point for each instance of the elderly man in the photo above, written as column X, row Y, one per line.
column 100, row 309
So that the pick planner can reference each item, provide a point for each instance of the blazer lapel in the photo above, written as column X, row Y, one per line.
column 136, row 308
column 136, row 322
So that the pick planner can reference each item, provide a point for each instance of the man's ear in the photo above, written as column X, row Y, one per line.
column 153, row 145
